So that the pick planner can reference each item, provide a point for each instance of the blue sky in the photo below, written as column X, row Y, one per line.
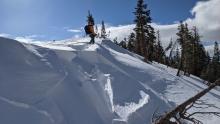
column 50, row 19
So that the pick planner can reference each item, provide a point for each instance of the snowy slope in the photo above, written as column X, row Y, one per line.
column 72, row 82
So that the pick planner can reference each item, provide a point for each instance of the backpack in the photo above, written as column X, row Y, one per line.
column 86, row 28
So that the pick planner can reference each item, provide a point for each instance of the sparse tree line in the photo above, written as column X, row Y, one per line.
column 103, row 33
column 99, row 34
column 187, row 53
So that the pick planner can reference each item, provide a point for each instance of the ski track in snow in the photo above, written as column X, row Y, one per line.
column 27, row 106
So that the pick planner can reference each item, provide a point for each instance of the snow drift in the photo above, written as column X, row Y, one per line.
column 72, row 82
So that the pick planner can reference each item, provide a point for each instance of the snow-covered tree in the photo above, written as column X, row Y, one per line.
column 123, row 43
column 216, row 57
column 103, row 31
column 131, row 42
column 159, row 51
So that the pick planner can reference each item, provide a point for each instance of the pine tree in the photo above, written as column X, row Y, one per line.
column 90, row 19
column 204, row 72
column 188, row 55
column 216, row 57
column 144, row 32
column 159, row 51
column 195, row 44
column 103, row 31
column 213, row 69
column 151, row 44
column 208, row 57
column 184, row 39
column 131, row 42
column 181, row 41
column 176, row 58
column 169, row 47
column 216, row 63
column 203, row 61
column 115, row 40
column 109, row 34
column 199, row 58
column 97, row 31
column 123, row 43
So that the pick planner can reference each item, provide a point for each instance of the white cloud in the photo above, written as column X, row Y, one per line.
column 206, row 18
column 4, row 35
column 123, row 31
column 76, row 36
column 120, row 31
column 166, row 32
column 27, row 39
column 74, row 30
column 24, row 39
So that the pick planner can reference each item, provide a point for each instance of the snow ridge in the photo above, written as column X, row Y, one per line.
column 97, row 83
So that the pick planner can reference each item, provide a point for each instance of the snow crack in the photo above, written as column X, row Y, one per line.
column 124, row 111
column 108, row 89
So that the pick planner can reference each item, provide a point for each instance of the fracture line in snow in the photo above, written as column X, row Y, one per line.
column 58, row 83
column 32, row 49
column 155, row 93
column 62, row 79
column 125, row 111
column 14, row 103
column 108, row 89
column 26, row 106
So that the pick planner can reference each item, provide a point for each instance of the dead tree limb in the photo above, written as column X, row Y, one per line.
column 182, row 108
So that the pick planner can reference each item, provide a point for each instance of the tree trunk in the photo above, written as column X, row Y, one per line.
column 180, row 66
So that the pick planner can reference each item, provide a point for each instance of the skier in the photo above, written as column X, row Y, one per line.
column 92, row 33
column 89, row 29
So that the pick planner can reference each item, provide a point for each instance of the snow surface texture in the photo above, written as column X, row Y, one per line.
column 72, row 82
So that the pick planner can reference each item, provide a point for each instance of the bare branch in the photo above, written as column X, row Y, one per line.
column 210, row 113
column 180, row 112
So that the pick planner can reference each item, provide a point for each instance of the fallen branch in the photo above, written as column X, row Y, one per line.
column 180, row 112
